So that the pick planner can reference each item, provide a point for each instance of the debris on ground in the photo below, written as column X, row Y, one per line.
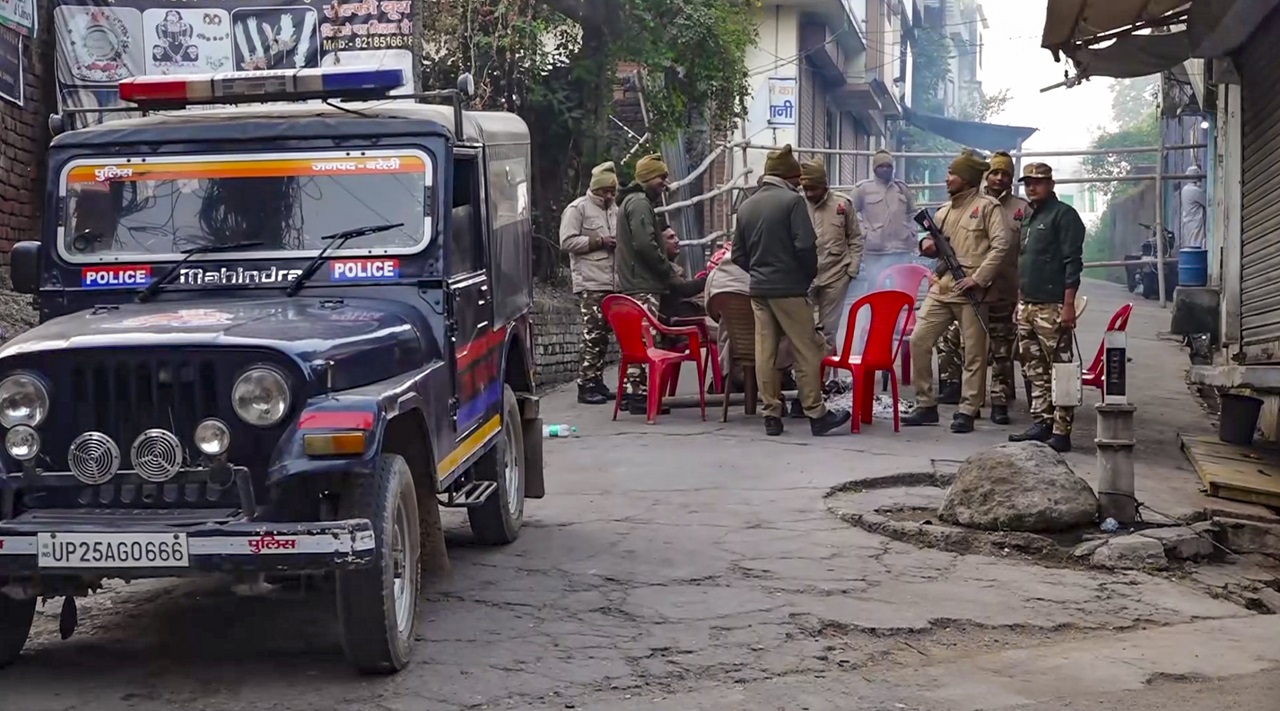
column 1019, row 487
column 1181, row 543
column 17, row 311
column 1134, row 552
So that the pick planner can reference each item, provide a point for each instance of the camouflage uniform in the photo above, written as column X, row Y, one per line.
column 1050, row 263
column 596, row 336
column 637, row 384
column 950, row 355
column 1041, row 343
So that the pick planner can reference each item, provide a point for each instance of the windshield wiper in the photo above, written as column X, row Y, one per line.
column 335, row 240
column 154, row 287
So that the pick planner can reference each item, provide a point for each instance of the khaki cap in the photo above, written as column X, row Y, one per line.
column 1036, row 171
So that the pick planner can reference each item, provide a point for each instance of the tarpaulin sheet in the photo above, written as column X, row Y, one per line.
column 101, row 42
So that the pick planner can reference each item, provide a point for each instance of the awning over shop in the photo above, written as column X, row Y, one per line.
column 983, row 136
column 1131, row 38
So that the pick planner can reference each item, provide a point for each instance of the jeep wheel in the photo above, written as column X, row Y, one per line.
column 15, row 625
column 377, row 605
column 498, row 520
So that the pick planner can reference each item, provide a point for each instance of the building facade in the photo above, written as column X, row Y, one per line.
column 828, row 74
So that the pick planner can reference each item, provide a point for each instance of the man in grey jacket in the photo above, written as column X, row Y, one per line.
column 775, row 243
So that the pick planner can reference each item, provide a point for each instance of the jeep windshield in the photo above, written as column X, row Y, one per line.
column 157, row 208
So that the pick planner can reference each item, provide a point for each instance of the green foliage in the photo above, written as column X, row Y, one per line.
column 554, row 62
column 1145, row 132
column 932, row 70
column 1132, row 100
column 984, row 107
column 694, row 52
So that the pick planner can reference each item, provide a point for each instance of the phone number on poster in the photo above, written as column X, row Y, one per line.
column 377, row 42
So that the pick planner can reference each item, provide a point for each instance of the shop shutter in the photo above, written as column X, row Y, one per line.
column 1260, row 195
column 808, row 80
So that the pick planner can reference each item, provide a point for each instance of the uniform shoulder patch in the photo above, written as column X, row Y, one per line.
column 1017, row 216
column 977, row 212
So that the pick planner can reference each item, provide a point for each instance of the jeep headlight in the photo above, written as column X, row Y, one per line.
column 261, row 397
column 23, row 401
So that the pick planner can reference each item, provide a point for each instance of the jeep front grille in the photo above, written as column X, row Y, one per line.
column 122, row 393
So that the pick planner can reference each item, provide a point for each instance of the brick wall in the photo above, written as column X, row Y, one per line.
column 24, row 133
column 557, row 331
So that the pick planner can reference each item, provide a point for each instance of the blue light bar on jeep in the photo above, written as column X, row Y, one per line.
column 259, row 87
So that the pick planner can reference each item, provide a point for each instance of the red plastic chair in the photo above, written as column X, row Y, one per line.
column 712, row 351
column 884, row 342
column 910, row 279
column 634, row 327
column 1119, row 322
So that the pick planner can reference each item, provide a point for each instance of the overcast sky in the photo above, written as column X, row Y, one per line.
column 1012, row 59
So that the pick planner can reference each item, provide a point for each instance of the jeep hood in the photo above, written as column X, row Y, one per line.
column 366, row 340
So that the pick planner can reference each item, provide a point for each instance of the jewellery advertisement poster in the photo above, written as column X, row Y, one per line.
column 101, row 42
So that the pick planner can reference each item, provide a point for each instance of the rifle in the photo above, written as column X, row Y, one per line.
column 948, row 262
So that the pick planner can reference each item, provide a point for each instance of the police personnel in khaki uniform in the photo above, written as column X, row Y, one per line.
column 587, row 233
column 1004, row 300
column 839, row 248
column 979, row 234
column 1049, row 266
column 886, row 207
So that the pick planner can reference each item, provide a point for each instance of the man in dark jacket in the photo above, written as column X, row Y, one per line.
column 644, row 272
column 775, row 244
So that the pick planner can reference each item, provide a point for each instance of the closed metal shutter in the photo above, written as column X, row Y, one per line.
column 818, row 111
column 1260, row 195
column 849, row 139
column 808, row 80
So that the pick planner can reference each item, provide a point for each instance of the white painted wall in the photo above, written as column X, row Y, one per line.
column 775, row 55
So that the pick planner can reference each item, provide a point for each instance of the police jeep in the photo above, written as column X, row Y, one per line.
column 275, row 338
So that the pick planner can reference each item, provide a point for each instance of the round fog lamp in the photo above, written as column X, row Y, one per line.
column 213, row 437
column 22, row 443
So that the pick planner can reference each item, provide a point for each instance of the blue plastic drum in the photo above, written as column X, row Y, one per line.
column 1193, row 267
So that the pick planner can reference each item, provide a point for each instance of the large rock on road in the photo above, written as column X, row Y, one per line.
column 1019, row 487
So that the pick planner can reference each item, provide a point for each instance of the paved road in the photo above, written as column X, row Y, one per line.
column 692, row 565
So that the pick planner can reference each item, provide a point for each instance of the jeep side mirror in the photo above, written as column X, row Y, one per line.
column 24, row 267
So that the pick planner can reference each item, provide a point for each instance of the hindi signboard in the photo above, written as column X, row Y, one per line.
column 20, row 15
column 101, row 42
column 12, row 71
column 783, row 101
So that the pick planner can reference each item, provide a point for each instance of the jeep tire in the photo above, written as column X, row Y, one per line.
column 377, row 605
column 497, row 521
column 15, row 625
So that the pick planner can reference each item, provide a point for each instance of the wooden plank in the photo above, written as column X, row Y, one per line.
column 1228, row 471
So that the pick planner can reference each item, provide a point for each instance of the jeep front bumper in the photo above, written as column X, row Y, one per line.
column 120, row 543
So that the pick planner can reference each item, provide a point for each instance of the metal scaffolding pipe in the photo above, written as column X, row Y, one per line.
column 1018, row 154
column 1159, row 231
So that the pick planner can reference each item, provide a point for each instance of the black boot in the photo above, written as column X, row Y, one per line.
column 836, row 387
column 949, row 392
column 1039, row 432
column 827, row 423
column 589, row 395
column 773, row 426
column 921, row 416
column 795, row 411
column 1000, row 414
column 639, row 405
column 600, row 387
column 1060, row 443
column 962, row 423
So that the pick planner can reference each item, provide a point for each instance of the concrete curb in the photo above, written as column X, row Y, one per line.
column 947, row 538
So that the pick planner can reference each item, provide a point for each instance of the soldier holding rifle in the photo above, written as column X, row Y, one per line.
column 978, row 233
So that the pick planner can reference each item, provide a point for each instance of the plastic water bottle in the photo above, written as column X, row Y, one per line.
column 559, row 431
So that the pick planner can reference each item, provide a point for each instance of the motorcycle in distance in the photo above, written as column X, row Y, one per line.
column 1145, row 276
